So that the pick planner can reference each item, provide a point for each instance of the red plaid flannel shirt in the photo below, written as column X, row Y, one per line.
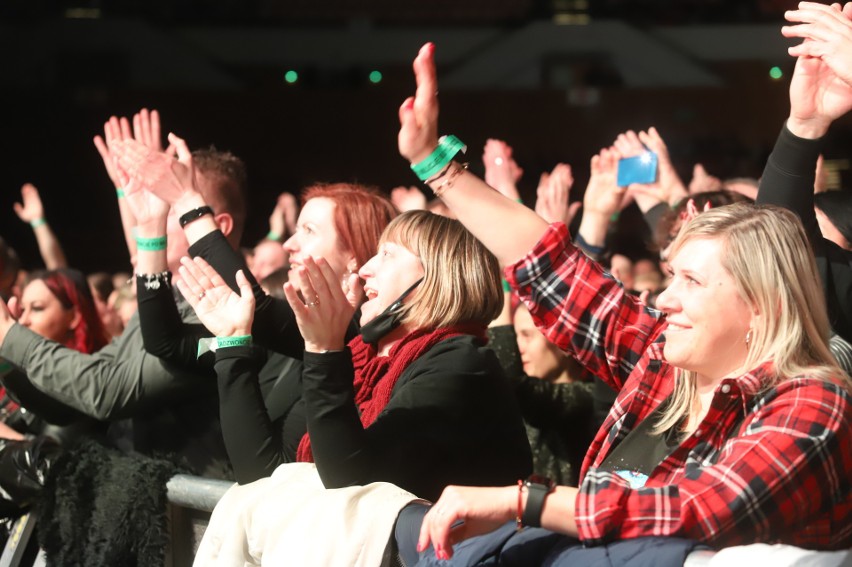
column 765, row 465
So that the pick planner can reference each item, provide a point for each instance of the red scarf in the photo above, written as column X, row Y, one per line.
column 376, row 376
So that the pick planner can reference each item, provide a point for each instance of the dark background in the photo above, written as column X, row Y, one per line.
column 68, row 66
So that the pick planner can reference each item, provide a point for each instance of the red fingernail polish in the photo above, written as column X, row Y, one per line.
column 420, row 547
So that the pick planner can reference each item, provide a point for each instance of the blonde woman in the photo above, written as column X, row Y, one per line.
column 733, row 423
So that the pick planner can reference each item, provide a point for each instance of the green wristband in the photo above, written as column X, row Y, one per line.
column 119, row 192
column 448, row 147
column 151, row 244
column 506, row 287
column 272, row 235
column 37, row 222
column 225, row 342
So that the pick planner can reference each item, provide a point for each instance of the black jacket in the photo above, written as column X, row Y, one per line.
column 451, row 419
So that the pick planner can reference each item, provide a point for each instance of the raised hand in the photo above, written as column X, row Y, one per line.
column 115, row 130
column 553, row 195
column 326, row 311
column 282, row 221
column 146, row 130
column 168, row 178
column 827, row 34
column 703, row 182
column 31, row 208
column 603, row 196
column 821, row 87
column 408, row 199
column 668, row 188
column 223, row 312
column 418, row 115
column 501, row 170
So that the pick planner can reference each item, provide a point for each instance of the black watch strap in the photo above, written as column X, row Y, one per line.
column 194, row 214
column 538, row 487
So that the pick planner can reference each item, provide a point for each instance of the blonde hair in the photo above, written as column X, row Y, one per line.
column 462, row 278
column 766, row 251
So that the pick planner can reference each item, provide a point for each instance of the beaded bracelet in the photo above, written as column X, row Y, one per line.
column 155, row 281
column 151, row 244
column 448, row 147
column 455, row 169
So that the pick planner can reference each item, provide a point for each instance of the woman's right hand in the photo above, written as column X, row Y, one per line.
column 223, row 312
column 324, row 315
column 418, row 115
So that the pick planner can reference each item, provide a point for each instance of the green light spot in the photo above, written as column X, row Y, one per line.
column 291, row 76
column 375, row 77
column 776, row 73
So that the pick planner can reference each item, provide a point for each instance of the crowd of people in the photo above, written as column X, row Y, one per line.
column 537, row 394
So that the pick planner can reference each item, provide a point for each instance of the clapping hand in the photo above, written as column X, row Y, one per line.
column 408, row 199
column 223, row 312
column 501, row 170
column 553, row 195
column 323, row 310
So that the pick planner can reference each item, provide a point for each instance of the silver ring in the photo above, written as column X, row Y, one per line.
column 201, row 295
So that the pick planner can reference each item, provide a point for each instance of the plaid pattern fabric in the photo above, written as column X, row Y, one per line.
column 767, row 464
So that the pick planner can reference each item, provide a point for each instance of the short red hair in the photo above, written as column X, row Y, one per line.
column 71, row 289
column 360, row 215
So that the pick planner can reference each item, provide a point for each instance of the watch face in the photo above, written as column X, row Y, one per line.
column 541, row 480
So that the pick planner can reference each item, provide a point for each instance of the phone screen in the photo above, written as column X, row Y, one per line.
column 637, row 169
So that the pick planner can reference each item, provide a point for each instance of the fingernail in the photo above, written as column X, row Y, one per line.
column 420, row 547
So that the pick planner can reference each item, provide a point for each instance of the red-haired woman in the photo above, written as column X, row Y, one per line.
column 58, row 305
column 261, row 412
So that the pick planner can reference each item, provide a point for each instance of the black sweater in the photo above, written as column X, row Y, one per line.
column 451, row 419
column 788, row 181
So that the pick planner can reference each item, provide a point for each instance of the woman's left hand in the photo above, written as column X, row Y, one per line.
column 418, row 115
column 326, row 311
column 482, row 509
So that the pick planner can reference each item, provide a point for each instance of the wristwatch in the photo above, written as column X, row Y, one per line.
column 538, row 487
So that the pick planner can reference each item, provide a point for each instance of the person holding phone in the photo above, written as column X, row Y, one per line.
column 733, row 422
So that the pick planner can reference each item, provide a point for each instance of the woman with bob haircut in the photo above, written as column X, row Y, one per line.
column 261, row 411
column 417, row 387
column 733, row 423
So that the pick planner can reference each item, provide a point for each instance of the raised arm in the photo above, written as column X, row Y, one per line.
column 553, row 196
column 602, row 199
column 579, row 309
column 115, row 130
column 820, row 93
column 482, row 210
column 31, row 211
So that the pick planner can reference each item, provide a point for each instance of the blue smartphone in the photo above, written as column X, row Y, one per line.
column 637, row 169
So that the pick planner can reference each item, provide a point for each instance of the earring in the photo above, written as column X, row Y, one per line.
column 345, row 282
column 748, row 338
